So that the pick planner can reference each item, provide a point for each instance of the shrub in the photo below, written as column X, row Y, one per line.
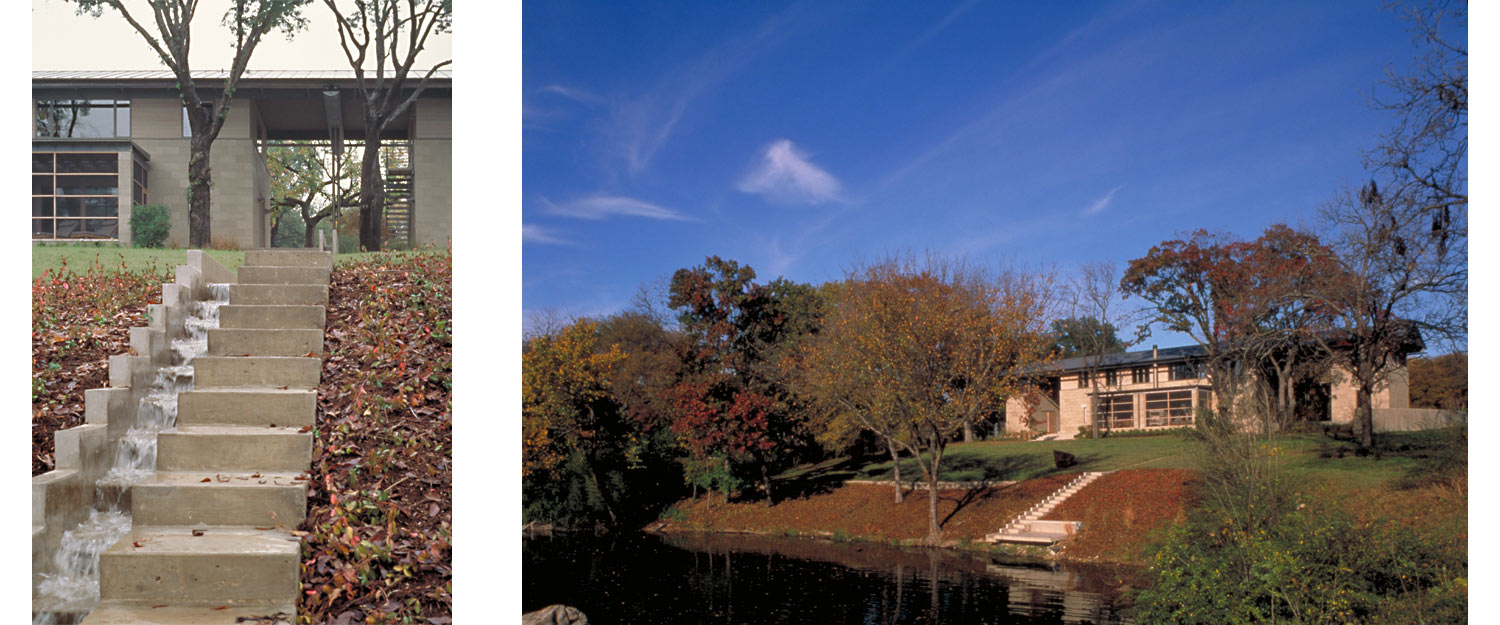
column 149, row 225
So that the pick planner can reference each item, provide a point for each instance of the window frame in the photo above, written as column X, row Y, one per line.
column 83, row 219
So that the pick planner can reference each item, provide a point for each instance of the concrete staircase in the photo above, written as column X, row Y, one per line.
column 211, row 540
column 1028, row 528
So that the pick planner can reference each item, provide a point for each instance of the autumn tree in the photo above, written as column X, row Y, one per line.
column 568, row 420
column 939, row 344
column 1440, row 381
column 1180, row 279
column 838, row 372
column 730, row 405
column 389, row 34
column 1270, row 319
column 169, row 33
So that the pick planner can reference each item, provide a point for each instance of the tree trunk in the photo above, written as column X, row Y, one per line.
column 934, row 533
column 275, row 225
column 200, row 184
column 372, row 194
column 307, row 233
column 968, row 431
column 765, row 478
column 1364, row 418
column 895, row 468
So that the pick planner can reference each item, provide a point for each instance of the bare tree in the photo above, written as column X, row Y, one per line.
column 382, row 32
column 1402, row 243
column 1400, row 280
column 250, row 21
column 1094, row 294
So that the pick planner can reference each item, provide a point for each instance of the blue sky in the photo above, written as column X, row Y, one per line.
column 803, row 138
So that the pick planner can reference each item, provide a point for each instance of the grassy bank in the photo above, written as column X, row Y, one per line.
column 1306, row 457
column 1153, row 485
column 78, row 257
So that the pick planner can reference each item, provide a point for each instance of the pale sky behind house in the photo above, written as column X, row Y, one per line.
column 59, row 29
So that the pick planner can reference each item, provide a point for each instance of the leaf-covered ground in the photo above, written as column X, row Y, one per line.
column 380, row 513
column 869, row 511
column 1121, row 510
column 79, row 320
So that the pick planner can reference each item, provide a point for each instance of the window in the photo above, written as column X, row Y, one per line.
column 83, row 119
column 187, row 128
column 1188, row 371
column 1140, row 375
column 1115, row 411
column 1112, row 377
column 1169, row 408
column 1083, row 379
column 75, row 196
column 138, row 194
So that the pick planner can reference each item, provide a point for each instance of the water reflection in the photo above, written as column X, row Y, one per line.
column 696, row 578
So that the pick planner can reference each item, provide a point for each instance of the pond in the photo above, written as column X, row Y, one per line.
column 732, row 579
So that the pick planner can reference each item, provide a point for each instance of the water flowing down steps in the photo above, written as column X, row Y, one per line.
column 211, row 539
column 1028, row 528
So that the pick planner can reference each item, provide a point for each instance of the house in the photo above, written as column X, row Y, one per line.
column 1164, row 388
column 106, row 141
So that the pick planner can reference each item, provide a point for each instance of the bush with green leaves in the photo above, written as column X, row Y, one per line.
column 149, row 225
column 1258, row 551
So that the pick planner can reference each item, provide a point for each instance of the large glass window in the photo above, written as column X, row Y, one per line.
column 1169, row 408
column 1115, row 412
column 75, row 196
column 1188, row 371
column 83, row 119
column 1140, row 375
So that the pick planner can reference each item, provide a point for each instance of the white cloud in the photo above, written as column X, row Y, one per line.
column 532, row 233
column 1098, row 205
column 786, row 176
column 603, row 206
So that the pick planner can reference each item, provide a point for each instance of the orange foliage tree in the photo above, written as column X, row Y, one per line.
column 564, row 389
column 914, row 350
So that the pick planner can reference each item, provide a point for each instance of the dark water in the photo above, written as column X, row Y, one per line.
column 694, row 578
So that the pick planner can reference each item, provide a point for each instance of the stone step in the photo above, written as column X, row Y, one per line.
column 279, row 294
column 288, row 258
column 271, row 274
column 172, row 498
column 233, row 448
column 262, row 407
column 171, row 566
column 258, row 371
column 147, row 613
column 270, row 317
column 262, row 342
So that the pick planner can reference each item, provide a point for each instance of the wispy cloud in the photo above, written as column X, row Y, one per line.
column 572, row 93
column 532, row 233
column 1098, row 205
column 641, row 125
column 786, row 175
column 601, row 206
column 931, row 32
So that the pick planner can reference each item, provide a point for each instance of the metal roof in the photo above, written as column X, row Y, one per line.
column 1124, row 359
column 216, row 74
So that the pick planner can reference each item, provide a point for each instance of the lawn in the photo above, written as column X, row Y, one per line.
column 1307, row 457
column 78, row 257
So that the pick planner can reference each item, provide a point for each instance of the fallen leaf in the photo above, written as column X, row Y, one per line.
column 197, row 532
column 208, row 479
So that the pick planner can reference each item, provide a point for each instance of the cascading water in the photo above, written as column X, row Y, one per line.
column 72, row 591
